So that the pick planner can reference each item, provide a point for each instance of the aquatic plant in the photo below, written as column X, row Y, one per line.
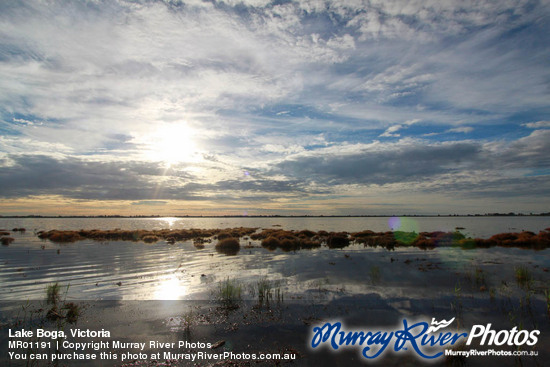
column 405, row 238
column 224, row 235
column 72, row 312
column 338, row 240
column 68, row 311
column 456, row 303
column 60, row 236
column 6, row 240
column 187, row 321
column 524, row 239
column 470, row 243
column 150, row 239
column 264, row 291
column 523, row 276
column 306, row 234
column 52, row 293
column 228, row 246
column 271, row 243
column 287, row 240
column 229, row 293
column 308, row 243
column 140, row 234
column 289, row 244
column 198, row 243
column 309, row 239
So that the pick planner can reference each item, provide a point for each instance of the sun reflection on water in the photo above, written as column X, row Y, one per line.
column 170, row 221
column 171, row 288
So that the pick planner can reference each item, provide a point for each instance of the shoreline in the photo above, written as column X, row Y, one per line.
column 156, row 216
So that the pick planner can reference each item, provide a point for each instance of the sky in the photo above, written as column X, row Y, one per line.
column 260, row 107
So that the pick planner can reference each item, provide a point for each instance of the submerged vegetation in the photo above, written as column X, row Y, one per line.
column 289, row 240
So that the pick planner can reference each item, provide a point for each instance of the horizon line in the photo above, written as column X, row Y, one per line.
column 511, row 214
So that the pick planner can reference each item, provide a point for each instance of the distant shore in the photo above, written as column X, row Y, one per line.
column 546, row 214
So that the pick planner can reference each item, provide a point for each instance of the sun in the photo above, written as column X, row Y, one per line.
column 172, row 143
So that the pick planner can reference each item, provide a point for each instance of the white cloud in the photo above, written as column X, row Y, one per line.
column 391, row 131
column 538, row 125
column 462, row 129
column 259, row 83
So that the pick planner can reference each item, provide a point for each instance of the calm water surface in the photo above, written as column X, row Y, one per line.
column 135, row 270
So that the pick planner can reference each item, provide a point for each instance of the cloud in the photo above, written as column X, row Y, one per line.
column 296, row 93
column 150, row 202
column 462, row 129
column 373, row 164
column 426, row 165
column 538, row 125
column 391, row 131
column 35, row 175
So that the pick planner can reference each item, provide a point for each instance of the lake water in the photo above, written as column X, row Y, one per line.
column 370, row 286
column 135, row 270
column 473, row 226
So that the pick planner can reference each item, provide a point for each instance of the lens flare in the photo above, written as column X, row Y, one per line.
column 405, row 229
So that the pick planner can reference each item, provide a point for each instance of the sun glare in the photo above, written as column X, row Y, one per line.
column 170, row 289
column 172, row 143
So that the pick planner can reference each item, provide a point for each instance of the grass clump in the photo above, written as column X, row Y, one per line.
column 68, row 311
column 228, row 246
column 405, row 238
column 72, row 312
column 52, row 294
column 264, row 291
column 229, row 293
column 271, row 243
column 6, row 241
column 150, row 239
column 60, row 236
column 338, row 240
column 267, row 292
column 523, row 276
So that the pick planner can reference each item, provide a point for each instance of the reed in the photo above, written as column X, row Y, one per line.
column 523, row 276
column 229, row 293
